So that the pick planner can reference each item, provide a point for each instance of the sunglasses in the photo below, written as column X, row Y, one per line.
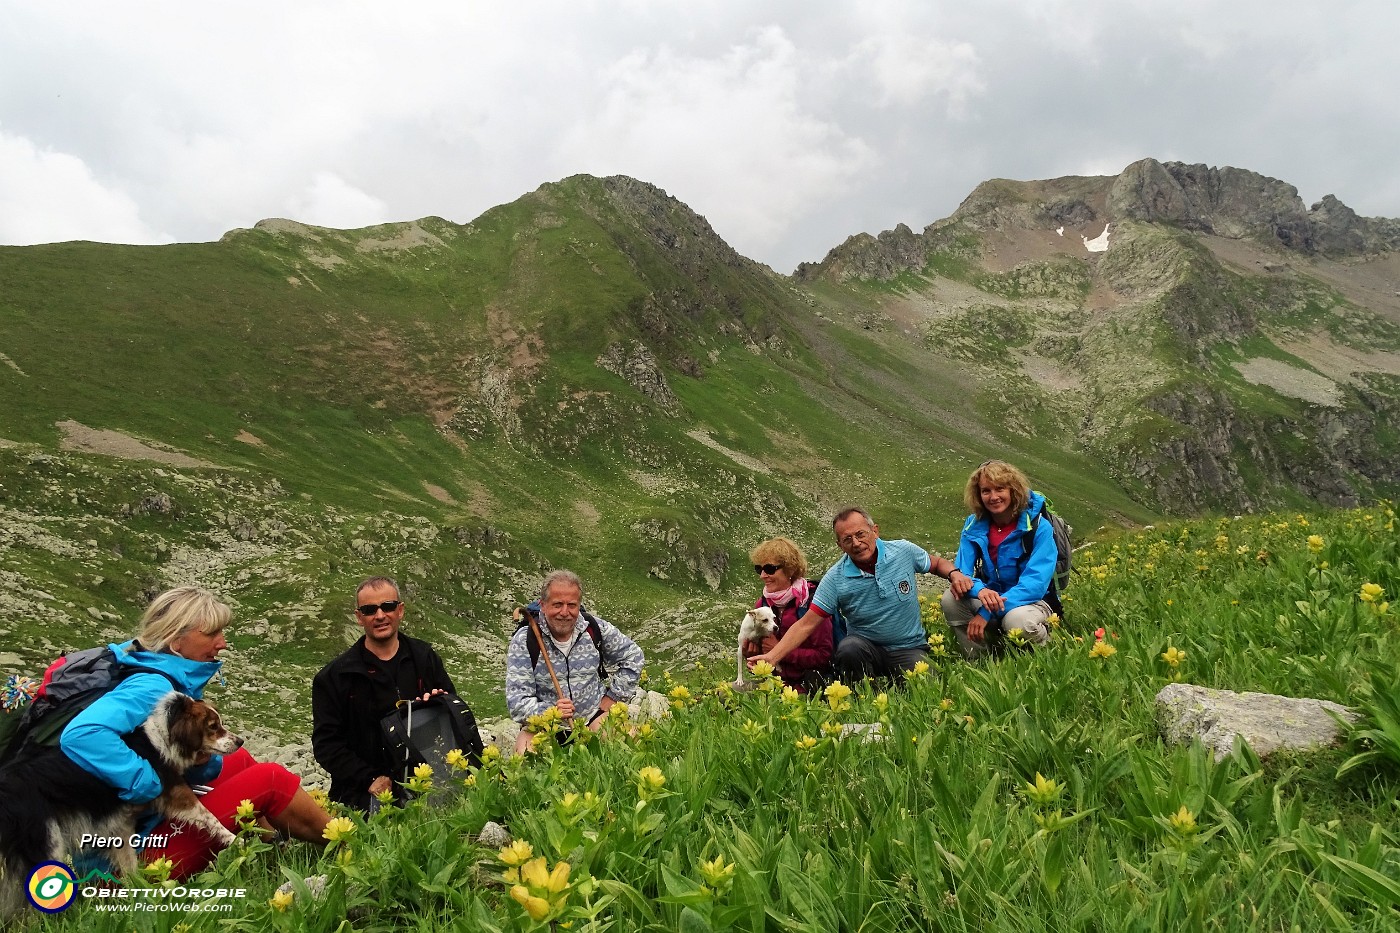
column 767, row 568
column 389, row 605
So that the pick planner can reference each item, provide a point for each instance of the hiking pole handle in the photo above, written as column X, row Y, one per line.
column 544, row 651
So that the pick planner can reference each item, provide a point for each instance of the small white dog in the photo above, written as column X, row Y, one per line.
column 758, row 624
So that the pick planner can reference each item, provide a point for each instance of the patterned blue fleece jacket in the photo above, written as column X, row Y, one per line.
column 529, row 691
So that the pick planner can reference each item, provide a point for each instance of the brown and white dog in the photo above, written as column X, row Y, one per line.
column 48, row 803
column 758, row 624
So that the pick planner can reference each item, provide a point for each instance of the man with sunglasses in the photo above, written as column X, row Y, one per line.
column 874, row 589
column 352, row 695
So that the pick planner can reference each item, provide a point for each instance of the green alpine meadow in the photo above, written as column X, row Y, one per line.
column 1199, row 372
column 1027, row 793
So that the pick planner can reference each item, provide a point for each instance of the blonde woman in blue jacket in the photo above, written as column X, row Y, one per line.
column 182, row 634
column 1005, row 563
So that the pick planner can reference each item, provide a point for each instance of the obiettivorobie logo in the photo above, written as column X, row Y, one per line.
column 51, row 887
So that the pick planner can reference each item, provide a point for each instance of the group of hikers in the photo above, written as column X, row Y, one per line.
column 861, row 620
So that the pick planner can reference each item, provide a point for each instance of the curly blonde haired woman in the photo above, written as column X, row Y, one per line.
column 1005, row 562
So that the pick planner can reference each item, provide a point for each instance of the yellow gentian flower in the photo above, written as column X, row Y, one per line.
column 559, row 878
column 1183, row 821
column 536, row 907
column 650, row 780
column 717, row 873
column 837, row 692
column 517, row 853
column 158, row 870
column 535, row 872
column 338, row 828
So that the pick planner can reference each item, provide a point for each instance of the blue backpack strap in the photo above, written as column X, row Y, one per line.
column 1052, row 593
column 1026, row 548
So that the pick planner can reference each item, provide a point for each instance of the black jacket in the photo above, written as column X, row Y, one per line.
column 349, row 698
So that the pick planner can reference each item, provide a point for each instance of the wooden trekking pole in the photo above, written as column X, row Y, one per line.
column 544, row 650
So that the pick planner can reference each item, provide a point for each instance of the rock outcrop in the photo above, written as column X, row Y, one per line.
column 1228, row 202
column 1237, row 203
column 1265, row 721
column 635, row 364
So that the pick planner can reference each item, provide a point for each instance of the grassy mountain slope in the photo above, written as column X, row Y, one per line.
column 585, row 377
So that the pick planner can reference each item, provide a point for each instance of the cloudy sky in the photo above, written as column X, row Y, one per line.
column 790, row 124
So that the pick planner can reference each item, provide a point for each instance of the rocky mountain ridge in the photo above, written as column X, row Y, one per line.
column 1146, row 316
column 1227, row 202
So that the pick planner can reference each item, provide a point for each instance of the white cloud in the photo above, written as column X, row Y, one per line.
column 49, row 197
column 907, row 69
column 789, row 124
column 331, row 201
column 728, row 133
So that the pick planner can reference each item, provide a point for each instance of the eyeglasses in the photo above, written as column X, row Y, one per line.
column 389, row 605
column 858, row 537
column 767, row 568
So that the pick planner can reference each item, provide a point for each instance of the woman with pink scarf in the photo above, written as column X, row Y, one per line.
column 782, row 567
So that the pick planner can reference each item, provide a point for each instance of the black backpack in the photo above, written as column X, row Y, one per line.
column 424, row 731
column 533, row 643
column 70, row 685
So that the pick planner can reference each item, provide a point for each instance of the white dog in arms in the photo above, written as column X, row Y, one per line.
column 758, row 624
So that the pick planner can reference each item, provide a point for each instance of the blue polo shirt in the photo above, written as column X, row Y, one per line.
column 882, row 606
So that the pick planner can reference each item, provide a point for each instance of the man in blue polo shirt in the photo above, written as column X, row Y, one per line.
column 874, row 589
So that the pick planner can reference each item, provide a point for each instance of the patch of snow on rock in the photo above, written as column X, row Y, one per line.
column 1098, row 244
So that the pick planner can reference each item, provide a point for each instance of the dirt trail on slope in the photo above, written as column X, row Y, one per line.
column 82, row 438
